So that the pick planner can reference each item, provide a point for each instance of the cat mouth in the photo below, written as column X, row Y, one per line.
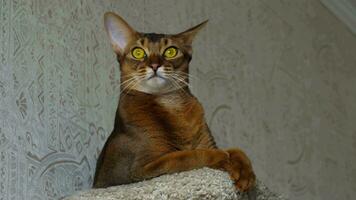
column 155, row 76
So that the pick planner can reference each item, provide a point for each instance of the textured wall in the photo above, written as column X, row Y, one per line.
column 277, row 78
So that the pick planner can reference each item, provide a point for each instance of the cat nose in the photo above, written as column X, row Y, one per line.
column 155, row 66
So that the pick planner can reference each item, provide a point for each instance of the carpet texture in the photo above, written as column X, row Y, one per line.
column 207, row 184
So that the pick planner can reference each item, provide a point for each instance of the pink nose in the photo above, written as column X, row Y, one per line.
column 155, row 66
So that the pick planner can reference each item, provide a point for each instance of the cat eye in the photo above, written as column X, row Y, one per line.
column 138, row 53
column 170, row 52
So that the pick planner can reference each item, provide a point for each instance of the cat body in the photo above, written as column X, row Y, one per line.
column 150, row 126
column 159, row 125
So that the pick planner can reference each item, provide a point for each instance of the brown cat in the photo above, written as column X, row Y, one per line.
column 159, row 125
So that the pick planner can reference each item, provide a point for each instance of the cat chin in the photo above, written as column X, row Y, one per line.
column 154, row 85
column 156, row 82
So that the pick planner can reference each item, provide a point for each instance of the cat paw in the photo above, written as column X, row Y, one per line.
column 240, row 170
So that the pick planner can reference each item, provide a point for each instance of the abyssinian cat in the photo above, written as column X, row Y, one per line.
column 159, row 126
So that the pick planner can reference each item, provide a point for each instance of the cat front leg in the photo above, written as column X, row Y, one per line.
column 183, row 161
column 240, row 169
column 239, row 166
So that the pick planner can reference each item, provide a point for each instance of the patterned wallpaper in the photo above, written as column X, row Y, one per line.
column 276, row 77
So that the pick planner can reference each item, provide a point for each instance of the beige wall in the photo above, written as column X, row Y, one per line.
column 277, row 78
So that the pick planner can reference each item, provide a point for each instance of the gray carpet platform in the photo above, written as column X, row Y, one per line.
column 200, row 184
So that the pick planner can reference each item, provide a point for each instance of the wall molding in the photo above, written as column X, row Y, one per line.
column 345, row 10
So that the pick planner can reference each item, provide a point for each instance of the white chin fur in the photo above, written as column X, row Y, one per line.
column 154, row 85
column 156, row 82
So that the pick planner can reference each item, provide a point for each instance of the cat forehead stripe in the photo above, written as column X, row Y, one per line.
column 154, row 37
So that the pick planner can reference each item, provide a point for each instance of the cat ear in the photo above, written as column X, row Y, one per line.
column 189, row 34
column 119, row 31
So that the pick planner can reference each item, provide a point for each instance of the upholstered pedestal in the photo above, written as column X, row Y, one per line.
column 201, row 184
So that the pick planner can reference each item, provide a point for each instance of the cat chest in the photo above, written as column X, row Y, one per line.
column 181, row 114
column 184, row 120
column 166, row 122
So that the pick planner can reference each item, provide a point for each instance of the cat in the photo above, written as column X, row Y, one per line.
column 159, row 126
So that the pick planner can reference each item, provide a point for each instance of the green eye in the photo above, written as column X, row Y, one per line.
column 138, row 53
column 170, row 52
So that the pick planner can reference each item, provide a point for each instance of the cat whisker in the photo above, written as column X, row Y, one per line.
column 180, row 79
column 135, row 84
column 176, row 82
column 130, row 83
column 128, row 80
column 176, row 85
column 185, row 74
column 133, row 76
column 127, row 86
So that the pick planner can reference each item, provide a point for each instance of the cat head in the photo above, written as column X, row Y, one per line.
column 150, row 62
